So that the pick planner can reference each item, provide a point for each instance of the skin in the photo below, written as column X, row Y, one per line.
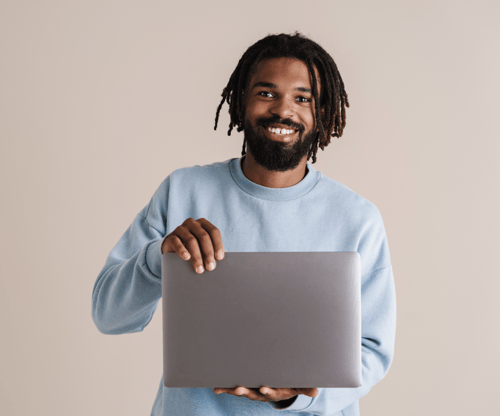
column 278, row 90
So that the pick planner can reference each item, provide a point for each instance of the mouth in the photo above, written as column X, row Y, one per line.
column 282, row 133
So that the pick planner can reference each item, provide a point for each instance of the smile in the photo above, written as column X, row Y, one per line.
column 281, row 132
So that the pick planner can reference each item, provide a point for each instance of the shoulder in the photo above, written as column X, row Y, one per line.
column 203, row 168
column 201, row 171
column 183, row 182
column 346, row 200
column 364, row 223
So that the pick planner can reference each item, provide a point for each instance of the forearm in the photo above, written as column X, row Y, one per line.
column 126, row 293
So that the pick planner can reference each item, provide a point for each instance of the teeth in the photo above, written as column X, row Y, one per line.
column 280, row 131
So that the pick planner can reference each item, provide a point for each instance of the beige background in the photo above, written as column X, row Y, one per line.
column 101, row 100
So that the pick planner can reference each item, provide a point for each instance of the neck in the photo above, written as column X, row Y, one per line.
column 270, row 179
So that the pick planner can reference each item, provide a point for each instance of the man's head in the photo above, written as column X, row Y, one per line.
column 308, row 76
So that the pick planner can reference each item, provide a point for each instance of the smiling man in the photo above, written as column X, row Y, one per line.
column 279, row 117
column 288, row 98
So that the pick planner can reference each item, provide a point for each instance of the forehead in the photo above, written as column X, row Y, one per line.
column 283, row 72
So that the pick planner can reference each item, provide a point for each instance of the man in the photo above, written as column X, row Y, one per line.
column 287, row 95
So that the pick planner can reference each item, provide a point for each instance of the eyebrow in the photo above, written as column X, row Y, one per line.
column 271, row 85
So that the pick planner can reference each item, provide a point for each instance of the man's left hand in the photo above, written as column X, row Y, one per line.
column 267, row 394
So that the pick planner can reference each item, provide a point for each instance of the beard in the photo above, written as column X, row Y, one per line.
column 273, row 155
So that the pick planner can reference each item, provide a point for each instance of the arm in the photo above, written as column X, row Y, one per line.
column 378, row 327
column 128, row 288
column 378, row 322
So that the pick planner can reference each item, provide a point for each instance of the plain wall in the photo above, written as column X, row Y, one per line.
column 101, row 100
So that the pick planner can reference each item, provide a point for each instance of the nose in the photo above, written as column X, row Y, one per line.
column 283, row 108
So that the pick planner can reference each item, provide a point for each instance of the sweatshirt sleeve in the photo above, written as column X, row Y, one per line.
column 128, row 288
column 378, row 326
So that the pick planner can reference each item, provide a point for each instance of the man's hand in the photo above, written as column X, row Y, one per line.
column 267, row 394
column 198, row 240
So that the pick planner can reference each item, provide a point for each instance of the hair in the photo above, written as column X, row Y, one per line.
column 332, row 101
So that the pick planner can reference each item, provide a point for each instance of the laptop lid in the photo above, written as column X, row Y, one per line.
column 280, row 319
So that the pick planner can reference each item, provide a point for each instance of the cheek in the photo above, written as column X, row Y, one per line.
column 308, row 119
column 257, row 108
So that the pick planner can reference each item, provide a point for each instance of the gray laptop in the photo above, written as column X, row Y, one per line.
column 263, row 319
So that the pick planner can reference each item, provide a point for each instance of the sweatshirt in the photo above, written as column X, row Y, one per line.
column 316, row 214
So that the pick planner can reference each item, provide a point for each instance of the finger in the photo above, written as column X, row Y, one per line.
column 219, row 390
column 190, row 241
column 204, row 240
column 173, row 244
column 255, row 394
column 240, row 391
column 270, row 394
column 224, row 390
column 311, row 392
column 277, row 394
column 216, row 237
column 252, row 394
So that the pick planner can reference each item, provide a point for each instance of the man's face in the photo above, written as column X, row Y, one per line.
column 280, row 97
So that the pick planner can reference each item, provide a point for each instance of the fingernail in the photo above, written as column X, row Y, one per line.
column 211, row 266
column 220, row 254
column 199, row 269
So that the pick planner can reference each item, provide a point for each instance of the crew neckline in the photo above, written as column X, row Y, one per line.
column 273, row 194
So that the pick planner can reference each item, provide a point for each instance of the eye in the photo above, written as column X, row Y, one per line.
column 304, row 99
column 265, row 94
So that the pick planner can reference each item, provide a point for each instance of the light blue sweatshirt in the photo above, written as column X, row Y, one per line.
column 317, row 214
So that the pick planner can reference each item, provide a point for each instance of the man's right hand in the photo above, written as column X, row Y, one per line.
column 198, row 240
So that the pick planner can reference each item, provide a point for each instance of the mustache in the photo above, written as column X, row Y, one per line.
column 265, row 122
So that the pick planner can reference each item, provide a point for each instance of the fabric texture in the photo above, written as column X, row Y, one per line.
column 317, row 214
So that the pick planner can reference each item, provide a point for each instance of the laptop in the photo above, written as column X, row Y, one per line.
column 277, row 319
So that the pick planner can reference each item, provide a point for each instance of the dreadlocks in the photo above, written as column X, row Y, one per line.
column 333, row 99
